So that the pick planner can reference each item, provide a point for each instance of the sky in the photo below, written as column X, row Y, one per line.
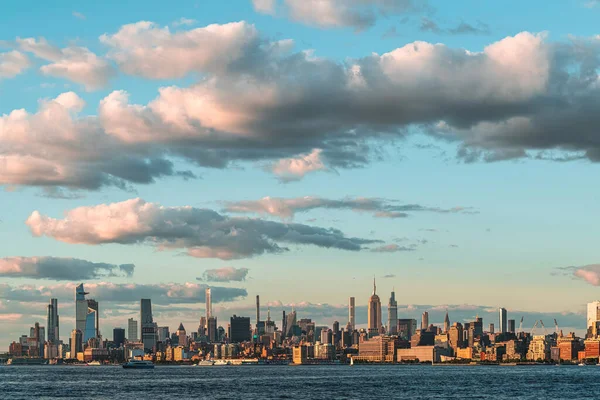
column 296, row 150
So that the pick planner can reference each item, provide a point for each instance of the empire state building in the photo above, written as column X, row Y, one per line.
column 374, row 313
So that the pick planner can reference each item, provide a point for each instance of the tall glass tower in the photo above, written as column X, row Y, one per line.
column 148, row 327
column 392, row 325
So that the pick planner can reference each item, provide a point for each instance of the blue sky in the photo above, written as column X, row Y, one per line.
column 517, row 233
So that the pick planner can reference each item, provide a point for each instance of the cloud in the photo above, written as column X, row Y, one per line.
column 162, row 293
column 389, row 276
column 293, row 169
column 356, row 14
column 429, row 25
column 591, row 3
column 55, row 268
column 79, row 15
column 12, row 64
column 225, row 274
column 184, row 22
column 264, row 6
column 589, row 273
column 287, row 208
column 203, row 233
column 392, row 248
column 77, row 64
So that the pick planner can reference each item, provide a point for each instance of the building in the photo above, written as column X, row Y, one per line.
column 148, row 333
column 374, row 313
column 81, row 308
column 511, row 326
column 455, row 336
column 568, row 347
column 491, row 329
column 76, row 342
column 208, row 300
column 539, row 349
column 211, row 328
column 377, row 349
column 118, row 337
column 290, row 324
column 162, row 333
column 593, row 318
column 425, row 321
column 92, row 320
column 446, row 323
column 351, row 314
column 422, row 338
column 592, row 348
column 132, row 330
column 431, row 354
column 52, row 322
column 406, row 328
column 502, row 320
column 392, row 324
column 182, row 339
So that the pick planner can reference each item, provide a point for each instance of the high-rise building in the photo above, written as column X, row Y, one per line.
column 374, row 312
column 351, row 314
column 92, row 320
column 81, row 308
column 455, row 336
column 502, row 320
column 290, row 324
column 182, row 338
column 239, row 329
column 208, row 301
column 407, row 328
column 257, row 310
column 148, row 327
column 132, row 330
column 425, row 321
column 511, row 326
column 202, row 327
column 491, row 330
column 118, row 337
column 593, row 318
column 392, row 326
column 447, row 323
column 52, row 323
column 211, row 328
column 162, row 333
column 76, row 342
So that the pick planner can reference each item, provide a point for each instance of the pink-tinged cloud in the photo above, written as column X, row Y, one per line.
column 225, row 274
column 10, row 317
column 13, row 63
column 589, row 273
column 60, row 268
column 295, row 168
column 202, row 233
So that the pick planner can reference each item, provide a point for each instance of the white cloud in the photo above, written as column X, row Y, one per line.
column 56, row 268
column 184, row 22
column 265, row 6
column 589, row 273
column 295, row 168
column 13, row 63
column 79, row 15
column 225, row 274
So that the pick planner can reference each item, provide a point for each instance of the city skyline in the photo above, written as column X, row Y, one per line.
column 260, row 148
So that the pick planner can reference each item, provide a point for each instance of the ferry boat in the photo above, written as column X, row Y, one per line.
column 206, row 363
column 221, row 362
column 94, row 363
column 138, row 364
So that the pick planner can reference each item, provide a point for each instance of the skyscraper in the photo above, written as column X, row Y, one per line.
column 182, row 335
column 511, row 326
column 81, row 308
column 208, row 304
column 132, row 330
column 290, row 323
column 240, row 329
column 148, row 327
column 447, row 323
column 374, row 312
column 92, row 320
column 593, row 318
column 211, row 327
column 257, row 309
column 75, row 343
column 502, row 320
column 351, row 314
column 392, row 325
column 52, row 323
column 118, row 336
column 425, row 321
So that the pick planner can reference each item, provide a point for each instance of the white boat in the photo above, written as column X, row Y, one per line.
column 140, row 364
column 221, row 363
column 94, row 363
column 581, row 364
column 351, row 361
column 206, row 363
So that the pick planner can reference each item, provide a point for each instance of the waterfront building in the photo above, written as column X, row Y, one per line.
column 539, row 348
column 374, row 313
column 148, row 331
column 406, row 328
column 593, row 318
column 425, row 321
column 377, row 349
column 568, row 346
column 239, row 329
column 421, row 354
column 502, row 320
column 76, row 342
column 132, row 330
column 52, row 321
column 392, row 324
column 592, row 348
column 118, row 337
column 351, row 314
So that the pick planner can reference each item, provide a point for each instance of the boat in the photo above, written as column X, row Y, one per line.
column 351, row 361
column 206, row 363
column 221, row 363
column 94, row 363
column 139, row 364
column 581, row 364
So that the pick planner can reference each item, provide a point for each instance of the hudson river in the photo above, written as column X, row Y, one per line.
column 302, row 382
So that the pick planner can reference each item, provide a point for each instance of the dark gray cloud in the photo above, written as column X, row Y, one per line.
column 286, row 208
column 225, row 274
column 56, row 268
column 429, row 25
column 202, row 233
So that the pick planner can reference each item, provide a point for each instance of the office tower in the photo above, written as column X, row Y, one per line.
column 455, row 335
column 407, row 328
column 132, row 330
column 593, row 318
column 374, row 312
column 75, row 342
column 336, row 333
column 511, row 326
column 502, row 320
column 148, row 328
column 446, row 323
column 202, row 327
column 162, row 333
column 283, row 324
column 351, row 314
column 81, row 308
column 491, row 330
column 392, row 326
column 211, row 325
column 92, row 320
column 425, row 321
column 118, row 337
column 257, row 310
column 208, row 301
column 182, row 338
column 290, row 324
column 240, row 329
column 52, row 323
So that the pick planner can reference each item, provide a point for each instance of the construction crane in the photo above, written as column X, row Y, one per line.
column 543, row 326
column 534, row 325
column 556, row 326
